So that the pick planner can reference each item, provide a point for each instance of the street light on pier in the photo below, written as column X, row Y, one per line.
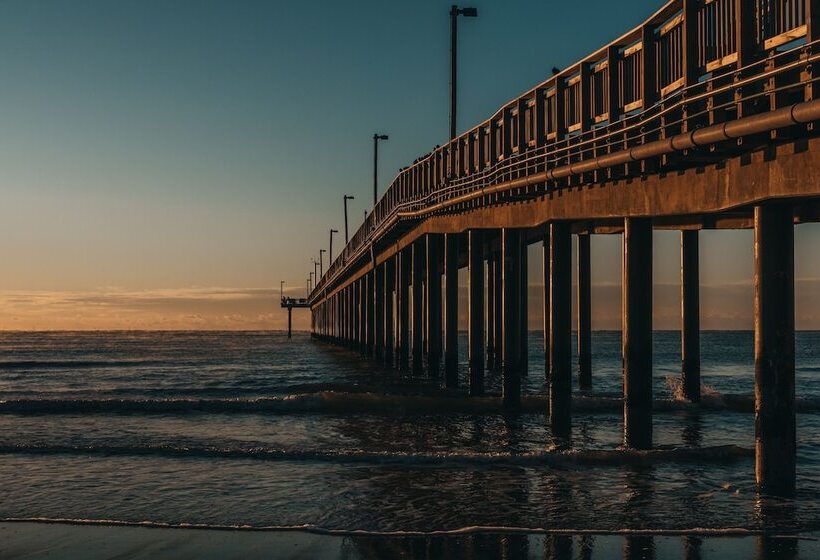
column 330, row 252
column 310, row 282
column 347, row 197
column 376, row 138
column 321, row 265
column 455, row 11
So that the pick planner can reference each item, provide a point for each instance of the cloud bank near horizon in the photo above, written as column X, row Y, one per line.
column 723, row 306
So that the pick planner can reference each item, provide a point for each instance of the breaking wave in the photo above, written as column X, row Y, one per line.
column 467, row 530
column 332, row 402
column 555, row 458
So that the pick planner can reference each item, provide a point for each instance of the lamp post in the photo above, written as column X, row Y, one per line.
column 330, row 252
column 376, row 138
column 455, row 11
column 321, row 265
column 315, row 272
column 281, row 289
column 310, row 281
column 347, row 197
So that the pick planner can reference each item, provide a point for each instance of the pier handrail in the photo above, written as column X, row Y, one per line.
column 694, row 74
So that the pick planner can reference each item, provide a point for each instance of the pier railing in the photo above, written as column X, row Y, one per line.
column 662, row 96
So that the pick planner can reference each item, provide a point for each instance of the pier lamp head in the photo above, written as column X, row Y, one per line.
column 349, row 197
column 469, row 12
column 380, row 137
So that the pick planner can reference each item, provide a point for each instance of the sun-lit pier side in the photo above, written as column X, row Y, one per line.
column 703, row 117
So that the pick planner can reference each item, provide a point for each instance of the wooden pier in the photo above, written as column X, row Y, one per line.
column 702, row 117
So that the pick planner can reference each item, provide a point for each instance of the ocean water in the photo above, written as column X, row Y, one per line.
column 251, row 429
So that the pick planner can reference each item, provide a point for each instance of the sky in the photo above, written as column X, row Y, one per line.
column 164, row 165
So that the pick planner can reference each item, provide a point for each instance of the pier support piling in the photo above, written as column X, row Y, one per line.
column 290, row 322
column 475, row 310
column 775, row 420
column 523, row 306
column 403, row 302
column 584, row 313
column 378, row 333
column 418, row 297
column 690, row 315
column 637, row 332
column 560, row 387
column 354, row 316
column 547, row 273
column 511, row 317
column 435, row 242
column 498, row 324
column 389, row 326
column 492, row 311
column 451, row 310
column 370, row 300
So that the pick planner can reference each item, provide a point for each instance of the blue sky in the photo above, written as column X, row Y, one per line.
column 174, row 147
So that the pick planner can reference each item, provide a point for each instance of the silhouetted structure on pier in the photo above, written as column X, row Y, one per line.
column 703, row 117
column 290, row 303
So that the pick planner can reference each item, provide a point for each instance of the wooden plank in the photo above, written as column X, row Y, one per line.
column 670, row 25
column 676, row 85
column 721, row 62
column 787, row 37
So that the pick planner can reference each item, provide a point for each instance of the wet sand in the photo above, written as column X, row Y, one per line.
column 67, row 542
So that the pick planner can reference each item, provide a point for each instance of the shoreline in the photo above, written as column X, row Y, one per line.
column 28, row 539
column 471, row 530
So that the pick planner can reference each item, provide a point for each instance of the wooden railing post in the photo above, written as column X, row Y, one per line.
column 745, row 37
column 585, row 101
column 560, row 120
column 691, row 64
column 649, row 90
column 812, row 34
column 613, row 57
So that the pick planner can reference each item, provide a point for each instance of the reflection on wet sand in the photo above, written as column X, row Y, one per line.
column 486, row 546
column 692, row 548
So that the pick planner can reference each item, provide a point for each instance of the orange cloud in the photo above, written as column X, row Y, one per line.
column 723, row 306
